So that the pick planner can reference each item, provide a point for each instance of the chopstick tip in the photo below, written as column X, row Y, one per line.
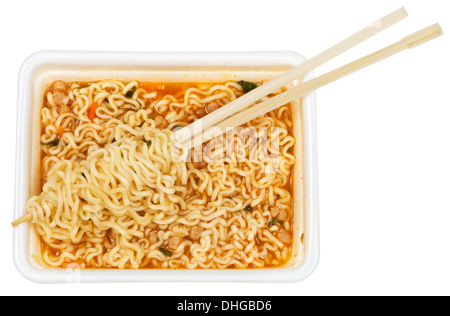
column 402, row 12
column 389, row 19
column 439, row 29
column 423, row 36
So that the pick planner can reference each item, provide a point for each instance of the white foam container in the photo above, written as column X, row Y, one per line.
column 42, row 68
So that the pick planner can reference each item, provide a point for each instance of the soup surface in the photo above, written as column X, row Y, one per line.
column 114, row 196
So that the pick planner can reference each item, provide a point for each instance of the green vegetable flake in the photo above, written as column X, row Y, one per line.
column 149, row 143
column 54, row 142
column 166, row 252
column 130, row 92
column 248, row 208
column 273, row 221
column 247, row 86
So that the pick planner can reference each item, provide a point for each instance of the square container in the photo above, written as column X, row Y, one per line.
column 42, row 68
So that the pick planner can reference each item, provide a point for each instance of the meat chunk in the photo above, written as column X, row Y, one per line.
column 196, row 232
column 59, row 86
column 200, row 165
column 211, row 107
column 274, row 211
column 284, row 236
column 281, row 214
column 61, row 101
column 200, row 112
column 153, row 237
column 60, row 98
column 174, row 242
column 161, row 122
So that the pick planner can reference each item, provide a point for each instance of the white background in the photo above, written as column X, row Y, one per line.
column 383, row 133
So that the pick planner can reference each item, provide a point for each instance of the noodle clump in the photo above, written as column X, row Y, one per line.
column 116, row 193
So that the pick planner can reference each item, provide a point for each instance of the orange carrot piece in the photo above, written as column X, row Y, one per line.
column 93, row 111
column 148, row 86
column 60, row 132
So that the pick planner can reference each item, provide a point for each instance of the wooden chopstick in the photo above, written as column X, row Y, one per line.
column 251, row 97
column 257, row 110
